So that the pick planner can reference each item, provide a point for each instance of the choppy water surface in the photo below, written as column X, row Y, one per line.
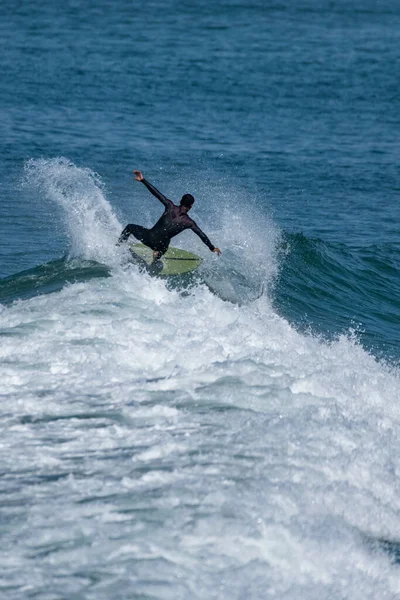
column 234, row 433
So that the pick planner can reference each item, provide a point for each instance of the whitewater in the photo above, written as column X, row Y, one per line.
column 184, row 440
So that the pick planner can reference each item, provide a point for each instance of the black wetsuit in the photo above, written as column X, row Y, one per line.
column 173, row 221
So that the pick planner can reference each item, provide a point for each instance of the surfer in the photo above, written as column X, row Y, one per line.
column 174, row 220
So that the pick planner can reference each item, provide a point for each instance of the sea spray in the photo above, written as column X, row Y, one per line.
column 88, row 217
column 143, row 429
column 247, row 267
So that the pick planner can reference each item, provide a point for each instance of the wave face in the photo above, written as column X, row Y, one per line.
column 184, row 438
column 330, row 287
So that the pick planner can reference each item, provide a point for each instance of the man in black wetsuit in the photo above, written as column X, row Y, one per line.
column 174, row 220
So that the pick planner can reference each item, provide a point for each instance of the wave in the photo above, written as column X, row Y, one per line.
column 330, row 288
column 126, row 391
column 49, row 278
column 229, row 283
column 241, row 275
column 322, row 287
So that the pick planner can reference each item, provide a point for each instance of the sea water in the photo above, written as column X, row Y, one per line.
column 231, row 434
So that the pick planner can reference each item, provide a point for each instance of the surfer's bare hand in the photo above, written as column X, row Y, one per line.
column 138, row 175
column 218, row 251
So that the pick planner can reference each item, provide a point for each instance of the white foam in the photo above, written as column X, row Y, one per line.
column 280, row 447
column 88, row 218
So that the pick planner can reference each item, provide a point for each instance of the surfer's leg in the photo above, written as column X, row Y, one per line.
column 139, row 232
column 159, row 251
column 157, row 255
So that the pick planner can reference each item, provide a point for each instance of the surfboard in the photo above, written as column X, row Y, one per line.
column 174, row 262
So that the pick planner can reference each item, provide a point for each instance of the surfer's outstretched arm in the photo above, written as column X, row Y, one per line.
column 153, row 190
column 204, row 238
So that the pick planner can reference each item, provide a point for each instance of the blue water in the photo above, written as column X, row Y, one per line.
column 234, row 433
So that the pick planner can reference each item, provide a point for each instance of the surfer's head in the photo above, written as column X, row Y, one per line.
column 187, row 201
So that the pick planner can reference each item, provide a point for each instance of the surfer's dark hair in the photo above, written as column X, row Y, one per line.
column 187, row 200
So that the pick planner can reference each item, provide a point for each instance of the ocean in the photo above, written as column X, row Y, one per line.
column 233, row 433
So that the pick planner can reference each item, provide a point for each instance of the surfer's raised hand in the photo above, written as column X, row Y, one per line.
column 138, row 175
column 218, row 251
